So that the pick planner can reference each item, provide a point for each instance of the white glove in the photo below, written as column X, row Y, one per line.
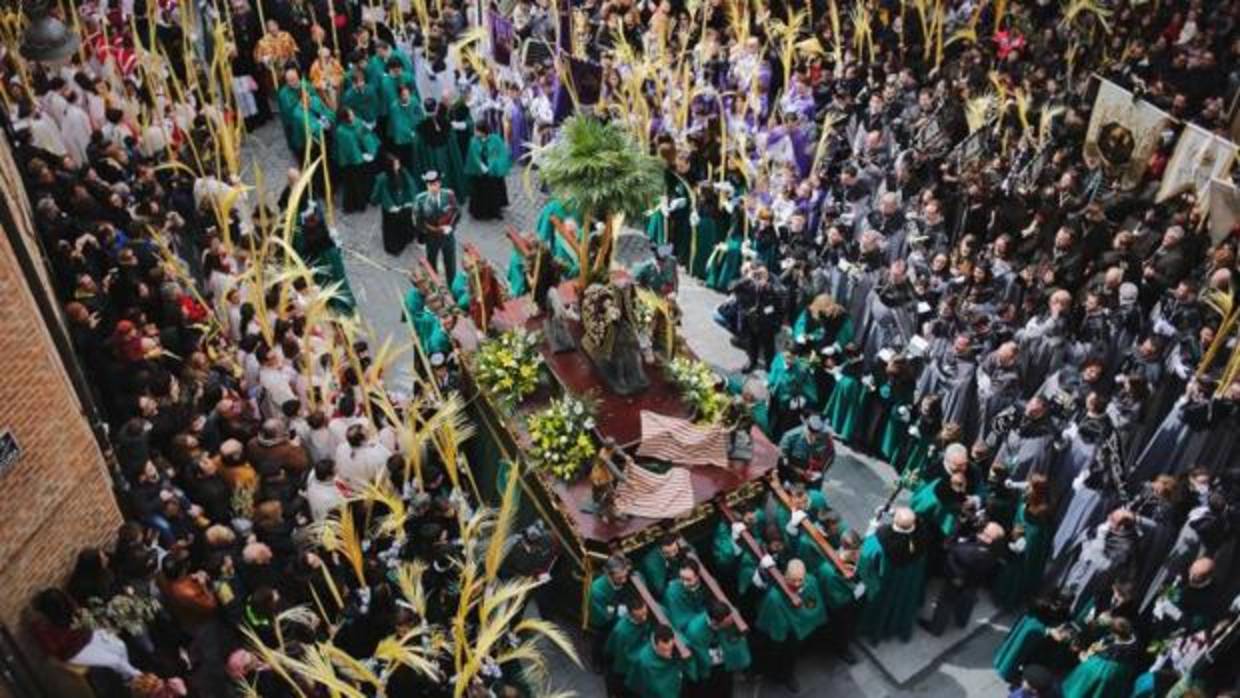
column 486, row 170
column 677, row 204
column 737, row 529
column 974, row 500
column 622, row 611
column 794, row 522
column 859, row 590
column 904, row 413
column 767, row 562
column 393, row 209
column 1164, row 328
column 1018, row 546
column 458, row 125
column 914, row 432
column 368, row 157
column 757, row 579
column 694, row 219
column 871, row 527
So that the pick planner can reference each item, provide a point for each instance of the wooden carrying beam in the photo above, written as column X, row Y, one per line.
column 431, row 275
column 657, row 611
column 823, row 544
column 756, row 549
column 717, row 591
column 521, row 244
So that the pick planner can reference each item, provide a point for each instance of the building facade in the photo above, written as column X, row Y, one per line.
column 56, row 492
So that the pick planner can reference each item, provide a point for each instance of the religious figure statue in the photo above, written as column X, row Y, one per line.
column 606, row 472
column 610, row 336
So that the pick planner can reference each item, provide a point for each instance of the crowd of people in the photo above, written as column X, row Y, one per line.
column 915, row 246
column 288, row 520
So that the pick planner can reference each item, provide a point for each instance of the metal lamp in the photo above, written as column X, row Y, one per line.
column 47, row 39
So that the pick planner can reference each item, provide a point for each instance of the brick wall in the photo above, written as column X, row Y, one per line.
column 57, row 498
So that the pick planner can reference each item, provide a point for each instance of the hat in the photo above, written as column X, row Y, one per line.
column 815, row 424
column 664, row 251
column 430, row 176
column 438, row 359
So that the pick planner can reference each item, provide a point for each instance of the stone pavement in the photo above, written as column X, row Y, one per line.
column 954, row 666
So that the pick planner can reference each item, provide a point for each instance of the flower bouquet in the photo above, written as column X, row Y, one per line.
column 563, row 438
column 697, row 383
column 509, row 366
column 126, row 613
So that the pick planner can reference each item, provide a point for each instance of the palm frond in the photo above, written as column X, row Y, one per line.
column 409, row 582
column 396, row 652
column 549, row 631
column 497, row 547
column 597, row 168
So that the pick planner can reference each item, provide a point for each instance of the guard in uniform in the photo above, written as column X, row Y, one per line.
column 806, row 452
column 436, row 213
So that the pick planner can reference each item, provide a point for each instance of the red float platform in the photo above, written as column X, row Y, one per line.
column 619, row 417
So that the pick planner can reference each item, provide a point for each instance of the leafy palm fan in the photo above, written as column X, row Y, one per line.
column 863, row 36
column 392, row 523
column 1046, row 120
column 396, row 652
column 497, row 547
column 1223, row 303
column 977, row 111
column 1077, row 9
column 409, row 582
column 599, row 169
column 787, row 34
column 492, row 607
column 449, row 428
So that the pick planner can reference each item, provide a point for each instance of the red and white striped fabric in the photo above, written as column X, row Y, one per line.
column 682, row 442
column 653, row 495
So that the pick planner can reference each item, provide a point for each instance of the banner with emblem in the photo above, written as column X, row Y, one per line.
column 1199, row 157
column 503, row 37
column 1123, row 132
column 1224, row 208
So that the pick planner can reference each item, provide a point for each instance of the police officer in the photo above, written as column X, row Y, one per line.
column 436, row 213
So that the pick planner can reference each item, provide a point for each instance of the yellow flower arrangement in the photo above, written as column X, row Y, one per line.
column 563, row 438
column 509, row 366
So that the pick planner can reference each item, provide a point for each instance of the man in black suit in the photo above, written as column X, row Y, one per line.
column 970, row 563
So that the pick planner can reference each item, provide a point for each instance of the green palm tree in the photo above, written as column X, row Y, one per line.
column 600, row 170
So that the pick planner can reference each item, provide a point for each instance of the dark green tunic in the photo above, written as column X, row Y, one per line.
column 724, row 648
column 893, row 592
column 1021, row 576
column 779, row 620
column 355, row 144
column 682, row 604
column 1019, row 646
column 362, row 101
column 656, row 571
column 1105, row 674
column 652, row 676
column 846, row 405
column 624, row 642
column 604, row 597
